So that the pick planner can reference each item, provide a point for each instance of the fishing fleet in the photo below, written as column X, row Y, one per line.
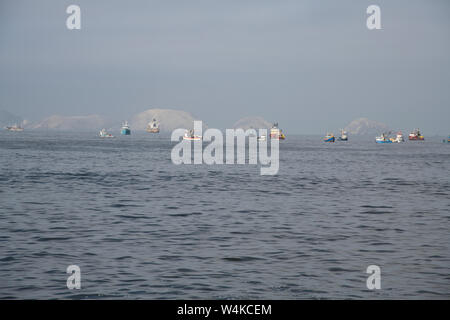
column 382, row 138
column 275, row 133
column 329, row 137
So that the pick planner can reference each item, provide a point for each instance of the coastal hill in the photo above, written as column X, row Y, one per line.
column 168, row 119
column 78, row 123
column 252, row 122
column 364, row 126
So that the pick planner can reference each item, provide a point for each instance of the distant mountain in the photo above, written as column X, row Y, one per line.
column 252, row 122
column 78, row 123
column 168, row 119
column 364, row 126
column 8, row 119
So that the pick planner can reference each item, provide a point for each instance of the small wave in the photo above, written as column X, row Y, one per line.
column 242, row 259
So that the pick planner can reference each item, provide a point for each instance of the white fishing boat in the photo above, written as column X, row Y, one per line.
column 104, row 134
column 343, row 136
column 399, row 138
column 153, row 127
column 15, row 128
column 189, row 135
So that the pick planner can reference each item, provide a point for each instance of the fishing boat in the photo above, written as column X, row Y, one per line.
column 329, row 137
column 125, row 129
column 15, row 128
column 104, row 134
column 343, row 136
column 446, row 140
column 383, row 138
column 153, row 127
column 416, row 135
column 276, row 133
column 399, row 138
column 189, row 135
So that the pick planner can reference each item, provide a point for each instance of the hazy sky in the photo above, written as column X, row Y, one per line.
column 310, row 65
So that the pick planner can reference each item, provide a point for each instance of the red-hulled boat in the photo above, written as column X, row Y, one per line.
column 416, row 135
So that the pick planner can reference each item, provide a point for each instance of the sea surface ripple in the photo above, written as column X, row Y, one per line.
column 140, row 227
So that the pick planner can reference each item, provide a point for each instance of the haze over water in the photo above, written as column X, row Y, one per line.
column 141, row 227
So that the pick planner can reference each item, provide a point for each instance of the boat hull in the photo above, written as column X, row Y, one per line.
column 125, row 132
column 154, row 130
column 332, row 139
column 14, row 129
column 420, row 138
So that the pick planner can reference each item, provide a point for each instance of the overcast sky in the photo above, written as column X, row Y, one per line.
column 313, row 66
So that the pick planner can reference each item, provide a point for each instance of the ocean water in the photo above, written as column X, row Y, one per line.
column 140, row 227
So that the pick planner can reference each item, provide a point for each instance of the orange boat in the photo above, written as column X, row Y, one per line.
column 276, row 133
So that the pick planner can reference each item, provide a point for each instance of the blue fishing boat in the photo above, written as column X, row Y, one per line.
column 329, row 138
column 125, row 129
column 383, row 139
column 446, row 141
